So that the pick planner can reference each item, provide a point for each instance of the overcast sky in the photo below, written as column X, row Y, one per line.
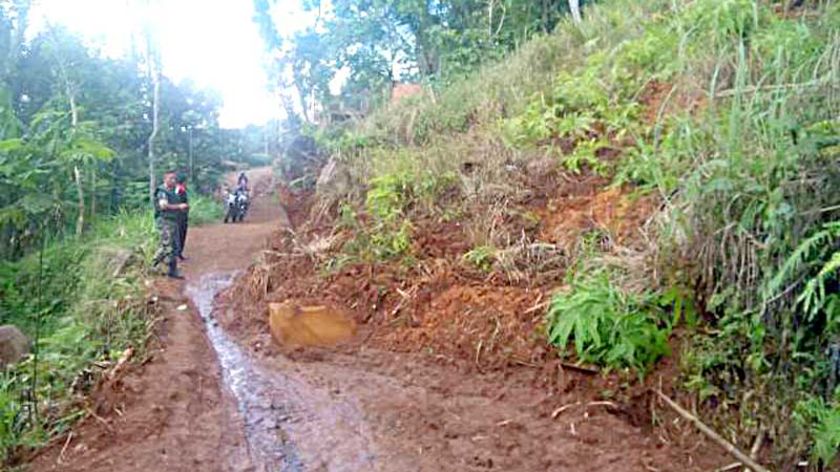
column 215, row 43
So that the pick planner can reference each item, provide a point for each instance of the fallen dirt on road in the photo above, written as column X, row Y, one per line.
column 220, row 395
column 412, row 391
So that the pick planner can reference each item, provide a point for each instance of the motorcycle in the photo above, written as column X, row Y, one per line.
column 237, row 206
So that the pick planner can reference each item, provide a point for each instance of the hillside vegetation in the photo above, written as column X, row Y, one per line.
column 660, row 180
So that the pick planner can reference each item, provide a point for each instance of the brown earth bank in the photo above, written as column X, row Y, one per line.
column 448, row 371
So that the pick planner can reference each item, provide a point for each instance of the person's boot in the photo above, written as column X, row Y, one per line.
column 173, row 270
column 157, row 267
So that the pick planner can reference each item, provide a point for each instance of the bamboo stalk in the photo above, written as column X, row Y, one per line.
column 726, row 445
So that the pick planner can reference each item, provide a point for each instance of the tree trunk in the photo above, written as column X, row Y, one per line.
column 155, row 76
column 80, row 222
column 545, row 16
column 574, row 7
column 93, row 193
column 490, row 6
column 192, row 165
column 77, row 174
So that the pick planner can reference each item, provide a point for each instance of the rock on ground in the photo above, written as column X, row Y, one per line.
column 13, row 345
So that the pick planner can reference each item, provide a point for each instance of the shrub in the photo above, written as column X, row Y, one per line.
column 609, row 326
column 823, row 421
column 204, row 210
column 82, row 314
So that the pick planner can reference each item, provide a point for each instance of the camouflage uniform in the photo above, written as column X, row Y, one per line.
column 182, row 220
column 167, row 224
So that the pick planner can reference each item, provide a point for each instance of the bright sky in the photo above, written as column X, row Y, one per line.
column 215, row 43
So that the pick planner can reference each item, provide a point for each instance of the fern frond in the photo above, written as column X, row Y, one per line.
column 801, row 256
column 827, row 435
column 814, row 293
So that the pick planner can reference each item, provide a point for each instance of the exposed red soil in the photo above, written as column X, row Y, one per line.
column 660, row 99
column 438, row 303
column 615, row 212
column 479, row 331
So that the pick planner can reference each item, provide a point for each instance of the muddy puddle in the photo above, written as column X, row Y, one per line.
column 290, row 425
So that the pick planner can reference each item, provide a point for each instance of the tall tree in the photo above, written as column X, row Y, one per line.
column 153, row 73
column 574, row 7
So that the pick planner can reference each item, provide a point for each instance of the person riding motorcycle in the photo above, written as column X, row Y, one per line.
column 242, row 182
column 237, row 202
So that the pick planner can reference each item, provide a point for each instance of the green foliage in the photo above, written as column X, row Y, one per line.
column 725, row 21
column 205, row 210
column 87, row 297
column 73, row 134
column 824, row 423
column 654, row 54
column 586, row 154
column 660, row 162
column 481, row 257
column 391, row 241
column 582, row 114
column 387, row 196
column 609, row 326
column 818, row 257
column 437, row 43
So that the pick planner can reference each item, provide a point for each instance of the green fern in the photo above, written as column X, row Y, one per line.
column 609, row 326
column 823, row 421
column 814, row 296
column 809, row 252
column 827, row 435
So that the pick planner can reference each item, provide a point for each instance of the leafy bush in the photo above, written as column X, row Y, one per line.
column 654, row 54
column 660, row 162
column 609, row 326
column 823, row 420
column 583, row 115
column 387, row 196
column 725, row 21
column 91, row 307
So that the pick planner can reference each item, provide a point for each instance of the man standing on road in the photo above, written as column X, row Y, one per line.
column 183, row 216
column 166, row 218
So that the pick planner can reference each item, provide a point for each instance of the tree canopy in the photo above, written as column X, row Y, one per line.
column 75, row 127
column 378, row 42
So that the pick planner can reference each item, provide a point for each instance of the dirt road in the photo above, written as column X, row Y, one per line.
column 174, row 413
column 212, row 399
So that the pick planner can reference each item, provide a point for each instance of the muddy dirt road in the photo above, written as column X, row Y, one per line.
column 214, row 400
column 175, row 412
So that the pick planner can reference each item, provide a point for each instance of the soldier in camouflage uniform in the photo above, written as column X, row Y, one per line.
column 167, row 210
column 183, row 216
